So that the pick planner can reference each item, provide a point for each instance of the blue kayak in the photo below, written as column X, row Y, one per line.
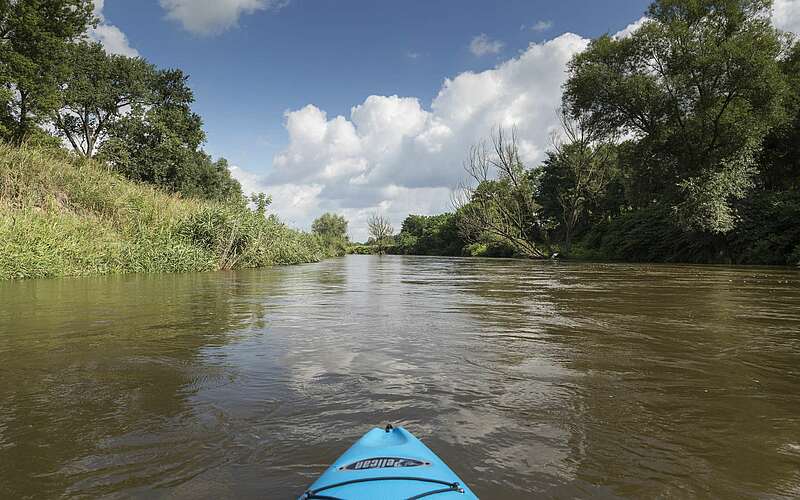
column 388, row 464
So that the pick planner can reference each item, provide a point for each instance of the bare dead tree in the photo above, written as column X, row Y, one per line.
column 381, row 230
column 498, row 199
column 584, row 148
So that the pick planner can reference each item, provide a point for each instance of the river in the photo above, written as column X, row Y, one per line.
column 529, row 378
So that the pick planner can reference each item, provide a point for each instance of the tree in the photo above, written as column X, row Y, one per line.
column 34, row 36
column 780, row 159
column 212, row 179
column 577, row 171
column 431, row 235
column 160, row 144
column 260, row 202
column 96, row 91
column 330, row 226
column 697, row 86
column 501, row 207
column 380, row 230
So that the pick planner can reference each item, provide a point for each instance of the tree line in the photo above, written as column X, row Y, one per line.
column 58, row 85
column 680, row 142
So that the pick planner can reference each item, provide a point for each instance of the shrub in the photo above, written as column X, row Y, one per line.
column 768, row 231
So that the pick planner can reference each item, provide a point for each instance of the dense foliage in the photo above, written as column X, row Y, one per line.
column 330, row 225
column 125, row 111
column 78, row 212
column 36, row 36
column 680, row 142
column 332, row 229
column 160, row 143
column 430, row 235
column 698, row 86
column 95, row 93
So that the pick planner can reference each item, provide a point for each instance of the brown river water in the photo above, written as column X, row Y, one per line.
column 530, row 379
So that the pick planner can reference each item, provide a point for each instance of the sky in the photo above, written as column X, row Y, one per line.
column 363, row 106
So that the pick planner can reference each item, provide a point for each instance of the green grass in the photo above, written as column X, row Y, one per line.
column 64, row 216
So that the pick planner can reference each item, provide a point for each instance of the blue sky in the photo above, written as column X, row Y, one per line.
column 334, row 53
column 271, row 79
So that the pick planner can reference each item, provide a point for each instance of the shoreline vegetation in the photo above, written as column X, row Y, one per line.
column 61, row 215
column 767, row 233
column 678, row 142
column 102, row 166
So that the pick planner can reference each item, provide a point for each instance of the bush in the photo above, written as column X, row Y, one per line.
column 372, row 249
column 649, row 235
column 333, row 245
column 490, row 249
column 431, row 235
column 768, row 231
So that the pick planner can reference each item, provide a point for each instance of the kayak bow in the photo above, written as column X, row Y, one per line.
column 388, row 464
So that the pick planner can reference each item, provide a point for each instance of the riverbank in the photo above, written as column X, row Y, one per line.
column 766, row 233
column 65, row 216
column 468, row 250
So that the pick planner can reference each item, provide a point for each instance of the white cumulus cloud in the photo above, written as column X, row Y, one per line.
column 396, row 156
column 786, row 15
column 212, row 17
column 482, row 45
column 113, row 39
column 630, row 29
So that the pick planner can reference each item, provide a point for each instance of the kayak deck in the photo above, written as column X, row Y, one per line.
column 388, row 464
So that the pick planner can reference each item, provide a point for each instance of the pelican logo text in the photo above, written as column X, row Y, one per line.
column 384, row 463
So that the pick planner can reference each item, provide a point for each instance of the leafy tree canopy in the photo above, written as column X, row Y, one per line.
column 97, row 90
column 34, row 41
column 159, row 143
column 431, row 235
column 330, row 226
column 780, row 160
column 698, row 86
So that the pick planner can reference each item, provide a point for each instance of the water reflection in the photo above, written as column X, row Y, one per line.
column 527, row 377
column 97, row 376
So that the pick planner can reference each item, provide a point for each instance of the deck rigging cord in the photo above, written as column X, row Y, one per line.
column 314, row 494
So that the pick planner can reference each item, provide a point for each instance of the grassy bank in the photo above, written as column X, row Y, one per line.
column 62, row 216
